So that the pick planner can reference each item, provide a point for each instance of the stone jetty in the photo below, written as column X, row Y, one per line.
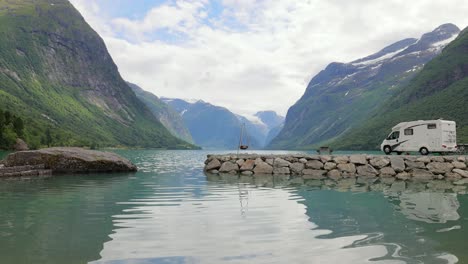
column 319, row 167
column 62, row 160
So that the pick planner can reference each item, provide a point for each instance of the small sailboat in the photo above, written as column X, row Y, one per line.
column 243, row 140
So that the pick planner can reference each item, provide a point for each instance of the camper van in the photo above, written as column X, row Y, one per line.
column 423, row 136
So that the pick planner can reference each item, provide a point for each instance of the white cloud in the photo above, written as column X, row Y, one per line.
column 257, row 55
column 181, row 16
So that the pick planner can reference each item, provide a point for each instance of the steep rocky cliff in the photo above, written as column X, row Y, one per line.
column 56, row 71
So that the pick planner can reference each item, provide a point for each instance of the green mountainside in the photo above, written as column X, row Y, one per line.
column 56, row 73
column 11, row 128
column 344, row 95
column 440, row 90
column 164, row 113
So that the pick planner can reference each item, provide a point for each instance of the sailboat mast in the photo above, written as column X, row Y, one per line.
column 241, row 134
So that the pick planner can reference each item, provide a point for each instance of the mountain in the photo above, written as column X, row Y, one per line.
column 263, row 125
column 164, row 113
column 270, row 118
column 273, row 133
column 274, row 123
column 179, row 105
column 344, row 95
column 56, row 72
column 440, row 90
column 256, row 129
column 211, row 126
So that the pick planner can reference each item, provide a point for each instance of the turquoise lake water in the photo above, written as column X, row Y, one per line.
column 171, row 212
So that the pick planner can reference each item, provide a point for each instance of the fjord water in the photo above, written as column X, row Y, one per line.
column 171, row 212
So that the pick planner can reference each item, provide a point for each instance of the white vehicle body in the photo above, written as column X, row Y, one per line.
column 423, row 136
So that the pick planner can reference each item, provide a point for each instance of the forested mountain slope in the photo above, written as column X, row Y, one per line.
column 56, row 73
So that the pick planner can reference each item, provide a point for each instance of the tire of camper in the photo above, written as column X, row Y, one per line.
column 387, row 150
column 424, row 151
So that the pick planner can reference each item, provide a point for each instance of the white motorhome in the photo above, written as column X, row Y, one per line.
column 423, row 136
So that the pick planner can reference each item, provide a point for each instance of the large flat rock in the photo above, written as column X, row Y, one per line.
column 71, row 160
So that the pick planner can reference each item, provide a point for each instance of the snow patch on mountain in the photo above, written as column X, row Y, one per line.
column 349, row 76
column 415, row 68
column 254, row 119
column 193, row 101
column 415, row 53
column 379, row 59
column 445, row 42
column 392, row 56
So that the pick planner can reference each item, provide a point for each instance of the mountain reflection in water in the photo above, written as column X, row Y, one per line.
column 171, row 212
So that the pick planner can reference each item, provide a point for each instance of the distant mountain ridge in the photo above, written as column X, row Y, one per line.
column 163, row 112
column 211, row 127
column 344, row 94
column 270, row 118
column 216, row 127
column 264, row 125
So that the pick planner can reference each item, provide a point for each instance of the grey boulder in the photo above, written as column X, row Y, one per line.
column 71, row 160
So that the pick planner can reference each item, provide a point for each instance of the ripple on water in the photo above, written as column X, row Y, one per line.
column 169, row 212
column 232, row 224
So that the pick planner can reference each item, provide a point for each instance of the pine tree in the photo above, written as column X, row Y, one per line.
column 48, row 137
column 18, row 126
column 7, row 117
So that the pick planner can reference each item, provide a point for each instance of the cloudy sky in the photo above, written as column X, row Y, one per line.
column 252, row 55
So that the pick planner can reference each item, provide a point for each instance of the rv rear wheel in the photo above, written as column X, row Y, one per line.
column 424, row 151
column 387, row 150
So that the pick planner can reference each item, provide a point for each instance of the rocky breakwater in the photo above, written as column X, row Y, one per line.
column 315, row 167
column 63, row 160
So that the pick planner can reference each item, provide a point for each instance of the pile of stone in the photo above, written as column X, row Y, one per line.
column 319, row 167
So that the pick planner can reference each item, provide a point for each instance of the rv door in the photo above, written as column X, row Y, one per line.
column 393, row 139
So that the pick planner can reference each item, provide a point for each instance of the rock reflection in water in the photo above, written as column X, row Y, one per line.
column 408, row 218
column 430, row 207
column 420, row 201
column 355, row 184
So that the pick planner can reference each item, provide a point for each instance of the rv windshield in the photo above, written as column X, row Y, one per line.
column 394, row 135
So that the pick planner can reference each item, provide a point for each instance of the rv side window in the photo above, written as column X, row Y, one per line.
column 431, row 126
column 409, row 132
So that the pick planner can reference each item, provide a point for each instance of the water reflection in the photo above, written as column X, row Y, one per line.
column 170, row 212
column 59, row 219
column 3, row 154
column 407, row 222
column 430, row 207
column 234, row 223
